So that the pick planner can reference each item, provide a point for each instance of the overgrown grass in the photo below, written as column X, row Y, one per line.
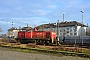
column 82, row 53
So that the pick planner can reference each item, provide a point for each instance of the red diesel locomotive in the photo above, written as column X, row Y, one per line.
column 38, row 37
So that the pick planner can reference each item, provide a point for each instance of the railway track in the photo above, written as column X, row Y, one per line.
column 65, row 50
column 60, row 52
column 33, row 45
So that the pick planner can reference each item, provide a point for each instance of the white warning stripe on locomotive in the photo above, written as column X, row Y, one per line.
column 53, row 33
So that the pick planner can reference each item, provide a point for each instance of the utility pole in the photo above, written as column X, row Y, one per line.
column 63, row 22
column 58, row 30
column 63, row 16
column 7, row 27
column 12, row 24
column 82, row 26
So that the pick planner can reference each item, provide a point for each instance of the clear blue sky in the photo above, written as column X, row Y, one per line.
column 39, row 12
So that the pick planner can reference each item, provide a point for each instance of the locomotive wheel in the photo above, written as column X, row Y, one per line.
column 46, row 42
column 37, row 42
column 23, row 41
column 18, row 41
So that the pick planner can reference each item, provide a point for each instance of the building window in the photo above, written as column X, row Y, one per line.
column 67, row 28
column 74, row 33
column 60, row 33
column 64, row 30
column 70, row 30
column 60, row 30
column 67, row 31
column 57, row 33
column 71, row 34
column 74, row 30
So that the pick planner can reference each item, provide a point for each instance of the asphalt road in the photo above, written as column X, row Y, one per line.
column 8, row 54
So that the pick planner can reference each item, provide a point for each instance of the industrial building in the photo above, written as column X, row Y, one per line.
column 72, row 28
